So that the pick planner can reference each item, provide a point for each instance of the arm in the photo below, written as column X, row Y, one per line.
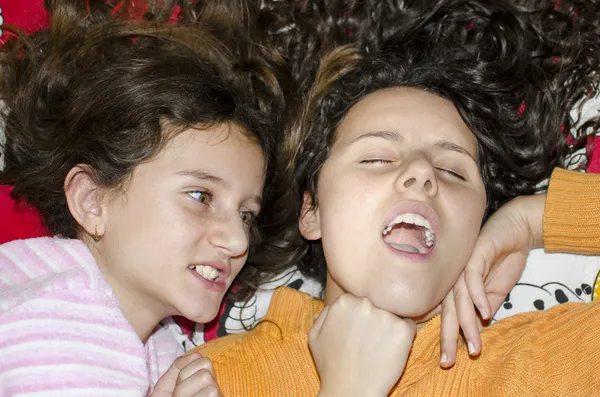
column 572, row 215
column 57, row 342
column 566, row 219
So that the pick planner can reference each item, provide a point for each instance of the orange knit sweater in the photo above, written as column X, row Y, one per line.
column 572, row 213
column 550, row 353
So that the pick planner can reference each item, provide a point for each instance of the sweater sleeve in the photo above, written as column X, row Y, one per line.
column 64, row 344
column 572, row 213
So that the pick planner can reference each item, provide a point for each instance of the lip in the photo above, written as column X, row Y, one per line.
column 415, row 207
column 220, row 283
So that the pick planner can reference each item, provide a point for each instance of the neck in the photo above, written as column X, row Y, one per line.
column 333, row 291
column 142, row 316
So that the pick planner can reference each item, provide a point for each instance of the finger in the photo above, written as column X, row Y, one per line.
column 209, row 391
column 195, row 383
column 201, row 364
column 501, row 281
column 474, row 279
column 167, row 382
column 449, row 332
column 496, row 301
column 318, row 325
column 183, row 361
column 467, row 318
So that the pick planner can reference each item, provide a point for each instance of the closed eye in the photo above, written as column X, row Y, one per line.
column 376, row 161
column 452, row 173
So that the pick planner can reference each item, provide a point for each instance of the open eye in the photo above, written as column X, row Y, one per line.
column 201, row 196
column 247, row 217
column 452, row 173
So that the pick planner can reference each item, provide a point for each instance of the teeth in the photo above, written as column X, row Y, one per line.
column 429, row 238
column 413, row 219
column 410, row 218
column 208, row 272
column 420, row 221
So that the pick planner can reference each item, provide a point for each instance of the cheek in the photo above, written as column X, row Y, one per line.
column 342, row 203
column 160, row 225
column 346, row 192
column 347, row 216
column 468, row 209
column 237, row 265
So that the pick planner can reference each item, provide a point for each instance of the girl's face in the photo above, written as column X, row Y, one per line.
column 177, row 235
column 400, row 201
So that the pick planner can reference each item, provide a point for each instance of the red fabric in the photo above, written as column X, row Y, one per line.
column 28, row 15
column 18, row 221
column 594, row 161
column 31, row 15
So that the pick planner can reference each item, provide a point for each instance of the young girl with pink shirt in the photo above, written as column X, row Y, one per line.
column 145, row 148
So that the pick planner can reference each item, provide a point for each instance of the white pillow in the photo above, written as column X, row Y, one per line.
column 551, row 279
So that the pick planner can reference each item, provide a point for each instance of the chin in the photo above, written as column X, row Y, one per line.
column 405, row 307
column 200, row 314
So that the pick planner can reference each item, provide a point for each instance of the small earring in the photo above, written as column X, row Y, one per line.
column 96, row 237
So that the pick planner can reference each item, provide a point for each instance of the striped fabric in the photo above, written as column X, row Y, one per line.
column 62, row 332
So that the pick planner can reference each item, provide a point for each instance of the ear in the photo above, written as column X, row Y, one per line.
column 86, row 199
column 309, row 222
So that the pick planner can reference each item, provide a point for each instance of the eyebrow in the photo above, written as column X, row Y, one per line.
column 395, row 136
column 205, row 176
column 447, row 145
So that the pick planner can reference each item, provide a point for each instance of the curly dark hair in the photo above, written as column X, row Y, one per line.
column 510, row 76
column 98, row 90
column 305, row 30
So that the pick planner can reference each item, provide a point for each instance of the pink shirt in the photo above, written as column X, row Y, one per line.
column 62, row 332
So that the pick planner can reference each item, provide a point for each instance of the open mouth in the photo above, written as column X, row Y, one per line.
column 410, row 233
column 206, row 271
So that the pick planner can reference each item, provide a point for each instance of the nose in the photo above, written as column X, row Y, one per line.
column 230, row 236
column 418, row 175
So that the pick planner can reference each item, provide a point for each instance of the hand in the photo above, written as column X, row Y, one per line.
column 191, row 375
column 358, row 349
column 495, row 266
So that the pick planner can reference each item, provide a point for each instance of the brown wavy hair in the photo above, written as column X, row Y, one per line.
column 96, row 89
column 512, row 73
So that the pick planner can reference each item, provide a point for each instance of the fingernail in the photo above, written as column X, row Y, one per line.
column 484, row 313
column 444, row 358
column 471, row 347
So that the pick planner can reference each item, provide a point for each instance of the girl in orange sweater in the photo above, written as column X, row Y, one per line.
column 398, row 158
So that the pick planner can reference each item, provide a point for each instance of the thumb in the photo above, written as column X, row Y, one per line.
column 166, row 384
